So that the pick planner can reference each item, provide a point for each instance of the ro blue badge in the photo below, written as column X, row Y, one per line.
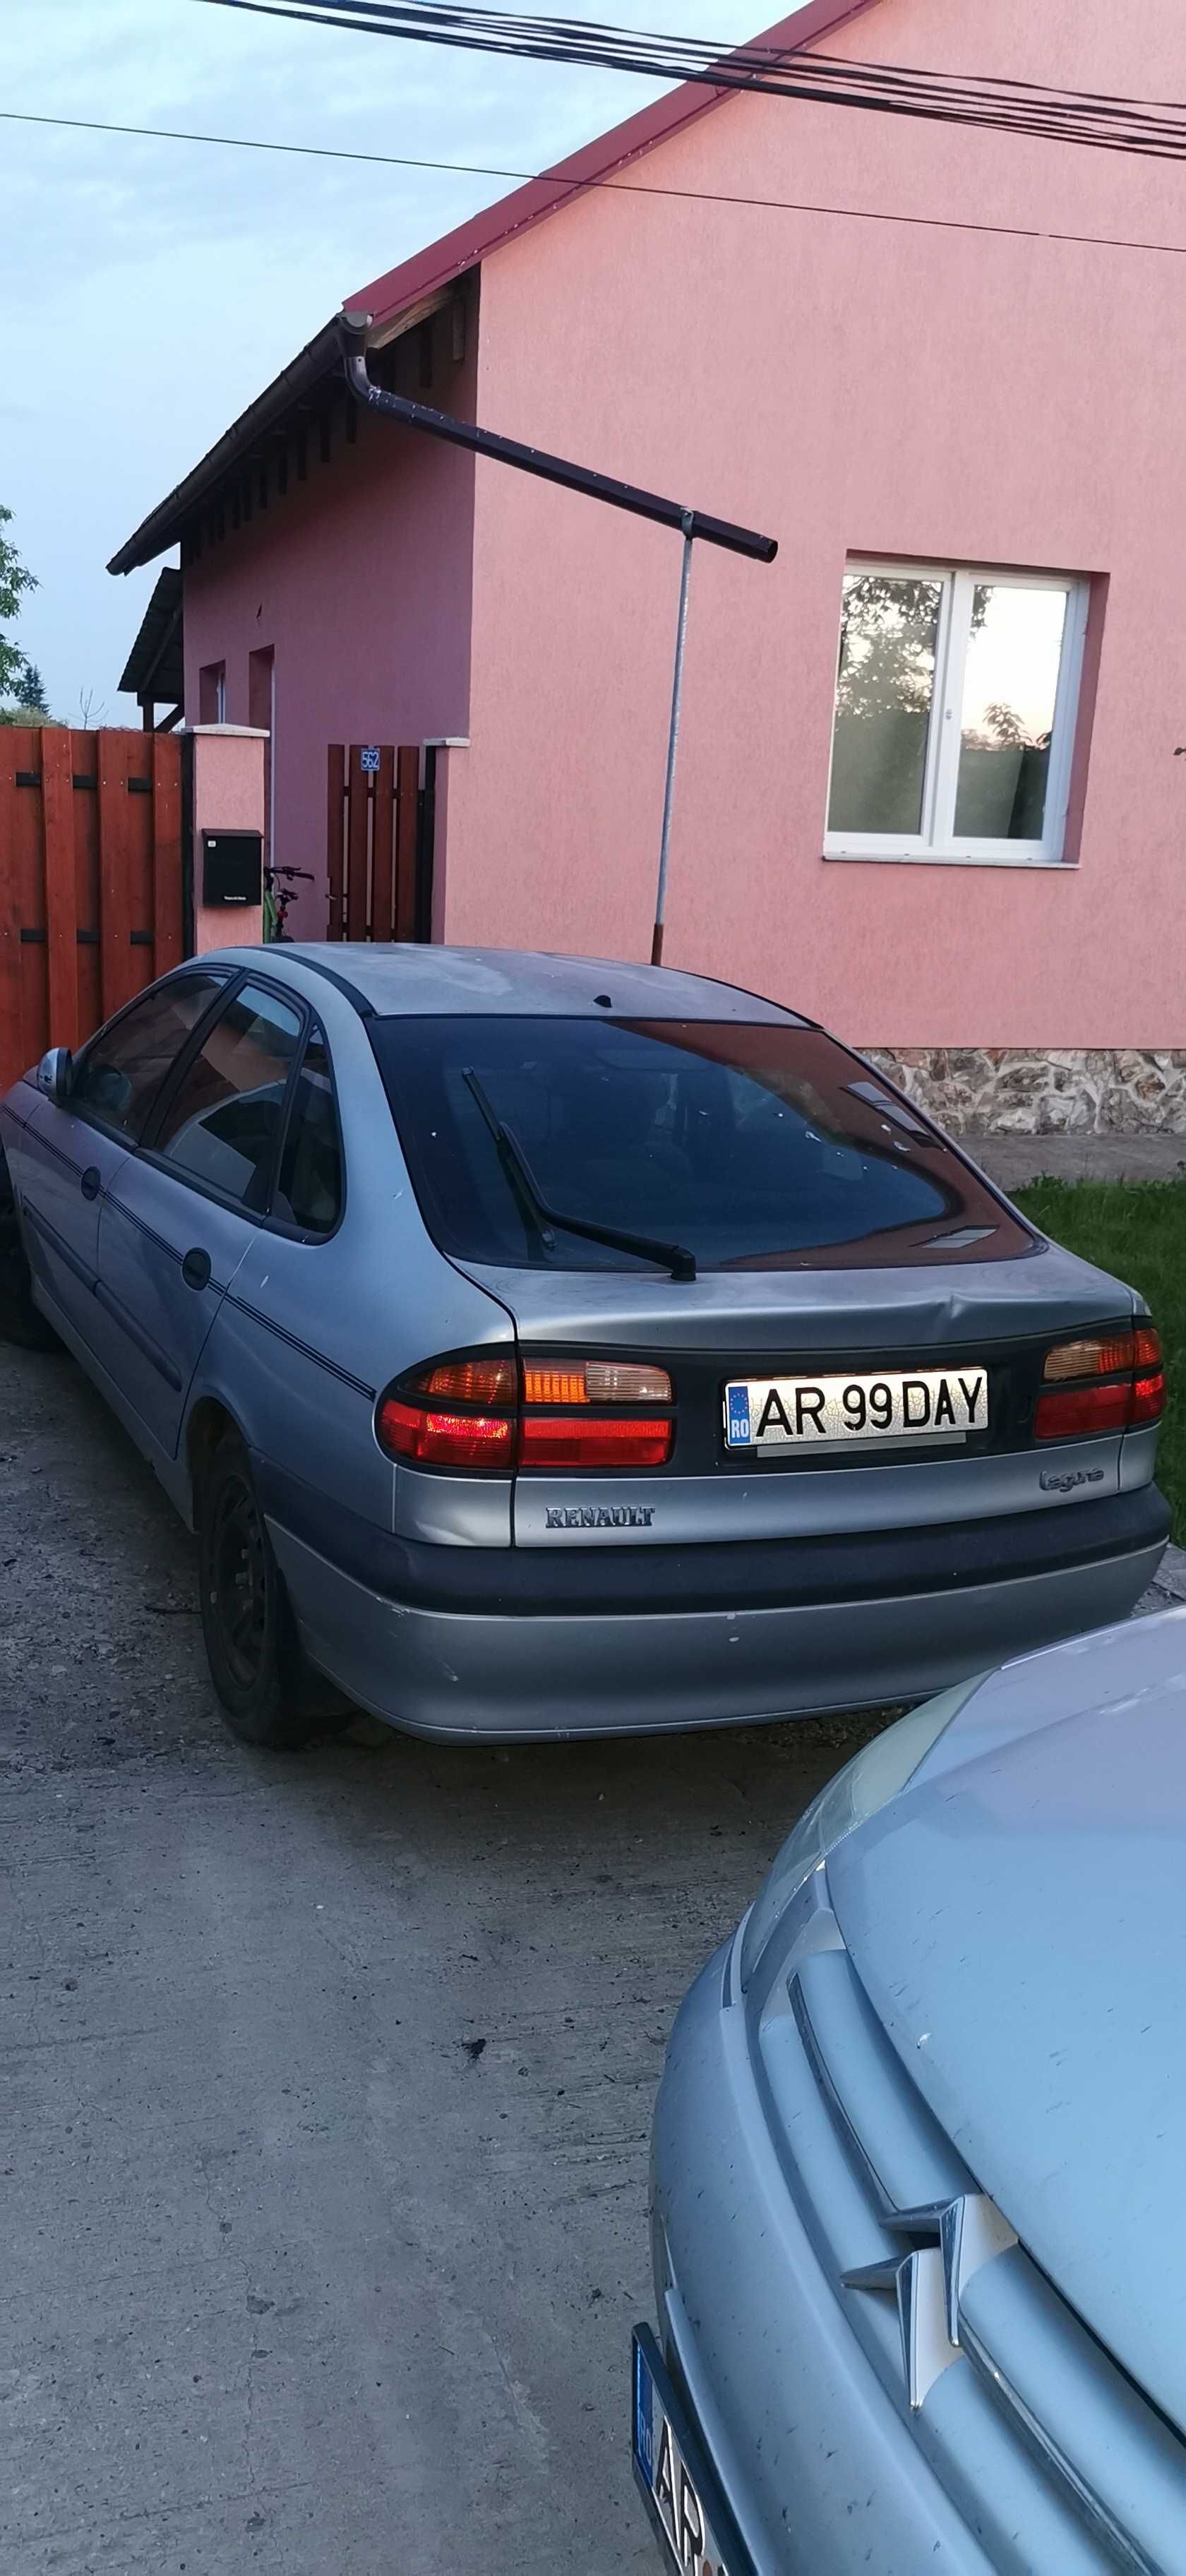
column 740, row 1434
column 644, row 2439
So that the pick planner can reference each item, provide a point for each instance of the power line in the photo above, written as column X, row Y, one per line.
column 608, row 186
column 1090, row 119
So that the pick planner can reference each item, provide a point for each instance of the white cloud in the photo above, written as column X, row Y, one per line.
column 151, row 289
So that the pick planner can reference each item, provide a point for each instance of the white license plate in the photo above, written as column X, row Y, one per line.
column 675, row 2498
column 805, row 1413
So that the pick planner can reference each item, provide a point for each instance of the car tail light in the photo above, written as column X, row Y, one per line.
column 446, row 1439
column 1107, row 1381
column 1101, row 1356
column 594, row 1382
column 603, row 1440
column 486, row 1410
column 1148, row 1395
column 492, row 1382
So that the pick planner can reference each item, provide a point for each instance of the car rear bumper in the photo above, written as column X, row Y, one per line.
column 507, row 1643
column 819, row 2470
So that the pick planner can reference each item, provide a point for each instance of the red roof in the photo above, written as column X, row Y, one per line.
column 430, row 269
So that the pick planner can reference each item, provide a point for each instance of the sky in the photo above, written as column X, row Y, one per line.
column 148, row 290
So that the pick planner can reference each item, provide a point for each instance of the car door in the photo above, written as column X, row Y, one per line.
column 73, row 1151
column 183, row 1210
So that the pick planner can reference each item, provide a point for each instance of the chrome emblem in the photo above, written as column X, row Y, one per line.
column 928, row 2282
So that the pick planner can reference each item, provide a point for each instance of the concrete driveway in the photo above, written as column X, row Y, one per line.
column 327, row 2082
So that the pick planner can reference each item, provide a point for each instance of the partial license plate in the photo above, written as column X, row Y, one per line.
column 674, row 2480
column 827, row 1412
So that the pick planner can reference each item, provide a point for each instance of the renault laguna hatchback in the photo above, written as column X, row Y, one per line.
column 546, row 1346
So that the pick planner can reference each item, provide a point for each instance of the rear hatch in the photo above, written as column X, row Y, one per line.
column 739, row 1202
column 727, row 1327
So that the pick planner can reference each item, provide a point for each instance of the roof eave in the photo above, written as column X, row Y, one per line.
column 396, row 299
column 315, row 365
column 444, row 260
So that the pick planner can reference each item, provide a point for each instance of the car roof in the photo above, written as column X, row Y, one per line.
column 396, row 981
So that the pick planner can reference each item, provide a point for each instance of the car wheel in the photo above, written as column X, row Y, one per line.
column 268, row 1688
column 21, row 1321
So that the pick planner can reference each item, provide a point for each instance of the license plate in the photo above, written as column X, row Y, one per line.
column 805, row 1413
column 672, row 2478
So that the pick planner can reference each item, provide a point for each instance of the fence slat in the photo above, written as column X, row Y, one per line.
column 167, row 931
column 356, row 875
column 383, row 853
column 335, row 832
column 116, row 855
column 61, row 913
column 11, row 759
column 407, row 782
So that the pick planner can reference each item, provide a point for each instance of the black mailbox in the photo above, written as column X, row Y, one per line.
column 232, row 867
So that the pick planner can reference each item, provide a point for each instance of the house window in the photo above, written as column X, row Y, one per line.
column 212, row 693
column 957, row 698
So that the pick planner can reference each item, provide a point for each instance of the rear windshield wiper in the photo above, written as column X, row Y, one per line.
column 670, row 1256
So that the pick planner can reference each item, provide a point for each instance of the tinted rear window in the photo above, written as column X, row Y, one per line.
column 757, row 1146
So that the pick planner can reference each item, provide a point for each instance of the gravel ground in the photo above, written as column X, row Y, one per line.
column 328, row 2081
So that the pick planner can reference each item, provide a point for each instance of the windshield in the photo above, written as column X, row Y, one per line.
column 759, row 1146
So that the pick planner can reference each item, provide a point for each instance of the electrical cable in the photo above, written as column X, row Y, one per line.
column 608, row 186
column 1095, row 120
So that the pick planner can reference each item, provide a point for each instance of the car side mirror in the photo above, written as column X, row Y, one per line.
column 55, row 1074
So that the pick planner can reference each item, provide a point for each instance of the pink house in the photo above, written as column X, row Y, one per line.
column 946, row 368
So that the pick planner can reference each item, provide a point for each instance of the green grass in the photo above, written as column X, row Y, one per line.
column 1136, row 1229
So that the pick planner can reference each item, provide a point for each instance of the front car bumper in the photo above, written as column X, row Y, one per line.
column 516, row 1643
column 793, row 2370
column 819, row 2476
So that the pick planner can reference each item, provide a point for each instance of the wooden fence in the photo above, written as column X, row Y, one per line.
column 376, row 888
column 91, row 902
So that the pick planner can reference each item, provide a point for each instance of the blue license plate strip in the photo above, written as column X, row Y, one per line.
column 678, row 2487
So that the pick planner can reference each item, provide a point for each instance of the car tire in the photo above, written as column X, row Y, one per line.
column 21, row 1321
column 268, row 1688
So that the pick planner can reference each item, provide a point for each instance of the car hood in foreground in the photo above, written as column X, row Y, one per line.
column 1018, row 1920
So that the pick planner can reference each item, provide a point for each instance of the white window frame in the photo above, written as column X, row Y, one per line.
column 936, row 845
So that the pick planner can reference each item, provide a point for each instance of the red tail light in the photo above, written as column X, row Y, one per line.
column 446, row 1439
column 1120, row 1383
column 480, row 1410
column 606, row 1440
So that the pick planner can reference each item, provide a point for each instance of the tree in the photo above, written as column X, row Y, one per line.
column 32, row 693
column 15, row 580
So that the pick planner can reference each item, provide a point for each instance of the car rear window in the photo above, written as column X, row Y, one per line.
column 755, row 1145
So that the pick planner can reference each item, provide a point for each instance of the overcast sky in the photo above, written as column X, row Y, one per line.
column 149, row 289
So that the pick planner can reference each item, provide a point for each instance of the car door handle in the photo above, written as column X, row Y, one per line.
column 92, row 1182
column 195, row 1269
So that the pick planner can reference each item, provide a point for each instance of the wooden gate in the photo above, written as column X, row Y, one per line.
column 90, row 880
column 378, row 879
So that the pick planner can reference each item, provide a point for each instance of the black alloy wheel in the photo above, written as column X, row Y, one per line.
column 269, row 1689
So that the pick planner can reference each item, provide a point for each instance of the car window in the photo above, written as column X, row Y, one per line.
column 759, row 1145
column 222, row 1124
column 309, row 1190
column 119, row 1077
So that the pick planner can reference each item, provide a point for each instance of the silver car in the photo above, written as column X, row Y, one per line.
column 545, row 1346
column 918, row 2240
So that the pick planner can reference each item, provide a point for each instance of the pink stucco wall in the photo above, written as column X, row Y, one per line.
column 228, row 796
column 358, row 580
column 851, row 386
